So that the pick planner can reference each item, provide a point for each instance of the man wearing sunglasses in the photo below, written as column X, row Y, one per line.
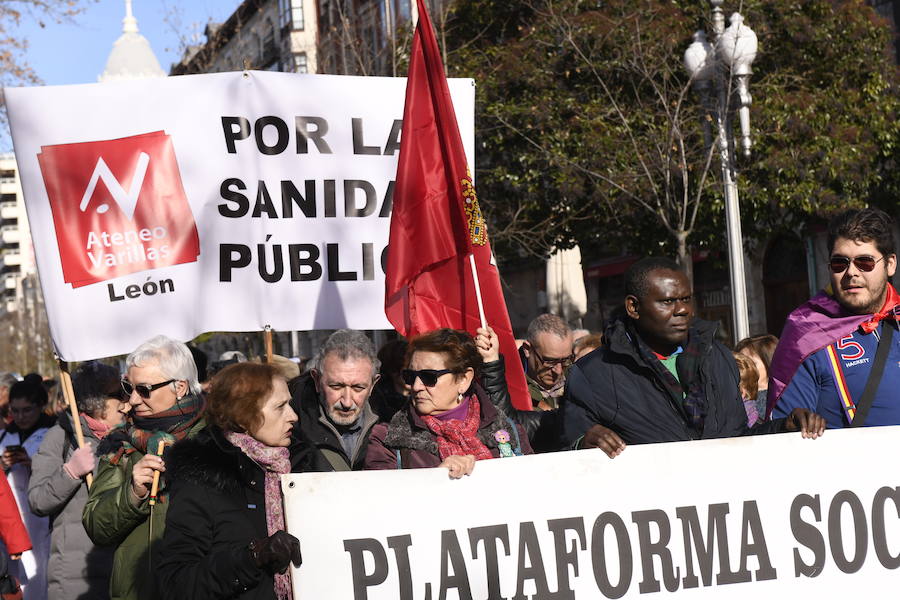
column 828, row 357
column 547, row 352
column 332, row 401
column 660, row 375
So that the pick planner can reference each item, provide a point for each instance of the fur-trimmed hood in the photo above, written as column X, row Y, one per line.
column 209, row 460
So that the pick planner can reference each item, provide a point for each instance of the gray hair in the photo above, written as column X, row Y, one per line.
column 173, row 358
column 547, row 323
column 7, row 380
column 347, row 344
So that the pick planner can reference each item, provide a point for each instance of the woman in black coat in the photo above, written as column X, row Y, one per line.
column 224, row 535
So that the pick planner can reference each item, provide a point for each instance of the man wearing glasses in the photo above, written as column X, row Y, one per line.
column 660, row 375
column 547, row 353
column 840, row 353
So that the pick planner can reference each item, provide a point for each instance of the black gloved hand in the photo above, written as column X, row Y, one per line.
column 274, row 553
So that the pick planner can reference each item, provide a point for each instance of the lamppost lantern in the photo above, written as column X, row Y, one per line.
column 699, row 59
column 713, row 66
column 700, row 62
column 737, row 46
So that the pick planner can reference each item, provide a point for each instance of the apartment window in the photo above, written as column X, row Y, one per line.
column 300, row 63
column 268, row 51
column 290, row 14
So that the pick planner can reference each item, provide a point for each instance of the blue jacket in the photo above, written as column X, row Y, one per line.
column 813, row 386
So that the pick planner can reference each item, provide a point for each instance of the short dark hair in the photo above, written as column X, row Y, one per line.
column 202, row 362
column 866, row 225
column 93, row 382
column 636, row 275
column 236, row 395
column 29, row 390
column 392, row 355
column 457, row 346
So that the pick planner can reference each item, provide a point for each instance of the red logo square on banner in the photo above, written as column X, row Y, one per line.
column 118, row 207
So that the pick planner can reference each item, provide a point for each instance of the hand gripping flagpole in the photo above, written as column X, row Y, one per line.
column 478, row 291
column 69, row 394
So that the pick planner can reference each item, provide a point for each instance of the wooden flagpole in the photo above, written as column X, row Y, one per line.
column 267, row 337
column 69, row 394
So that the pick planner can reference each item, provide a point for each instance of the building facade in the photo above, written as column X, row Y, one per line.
column 17, row 252
column 265, row 35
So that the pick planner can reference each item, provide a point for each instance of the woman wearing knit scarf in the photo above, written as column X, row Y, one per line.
column 77, row 568
column 166, row 405
column 449, row 421
column 225, row 534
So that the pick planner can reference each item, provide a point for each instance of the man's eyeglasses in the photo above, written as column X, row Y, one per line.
column 143, row 389
column 429, row 377
column 552, row 362
column 839, row 263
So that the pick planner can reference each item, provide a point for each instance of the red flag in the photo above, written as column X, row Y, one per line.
column 436, row 222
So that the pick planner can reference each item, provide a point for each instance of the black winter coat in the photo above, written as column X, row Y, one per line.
column 541, row 426
column 613, row 386
column 218, row 506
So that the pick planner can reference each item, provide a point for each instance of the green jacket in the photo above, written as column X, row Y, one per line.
column 110, row 519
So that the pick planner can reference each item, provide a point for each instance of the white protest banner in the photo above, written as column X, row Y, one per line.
column 223, row 202
column 759, row 517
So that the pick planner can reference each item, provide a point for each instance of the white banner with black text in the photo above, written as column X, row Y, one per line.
column 222, row 202
column 759, row 517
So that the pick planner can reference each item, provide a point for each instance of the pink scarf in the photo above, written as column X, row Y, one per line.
column 275, row 461
column 98, row 428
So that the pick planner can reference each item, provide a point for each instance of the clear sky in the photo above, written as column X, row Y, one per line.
column 76, row 52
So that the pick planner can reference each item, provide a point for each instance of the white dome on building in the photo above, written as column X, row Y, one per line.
column 131, row 56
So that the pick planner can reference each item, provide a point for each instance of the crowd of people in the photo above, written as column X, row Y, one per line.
column 174, row 492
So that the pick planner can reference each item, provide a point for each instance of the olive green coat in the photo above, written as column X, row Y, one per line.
column 111, row 519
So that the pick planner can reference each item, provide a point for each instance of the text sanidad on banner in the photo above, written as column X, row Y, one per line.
column 221, row 202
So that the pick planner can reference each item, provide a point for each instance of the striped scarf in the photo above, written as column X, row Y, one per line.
column 146, row 432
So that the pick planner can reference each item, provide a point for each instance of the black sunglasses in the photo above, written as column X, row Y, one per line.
column 429, row 377
column 839, row 263
column 143, row 389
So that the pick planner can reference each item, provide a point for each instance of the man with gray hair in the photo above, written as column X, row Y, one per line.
column 547, row 352
column 6, row 381
column 332, row 401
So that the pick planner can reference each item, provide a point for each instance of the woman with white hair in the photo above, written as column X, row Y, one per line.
column 162, row 388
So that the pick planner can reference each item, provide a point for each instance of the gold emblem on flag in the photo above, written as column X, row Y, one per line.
column 477, row 226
